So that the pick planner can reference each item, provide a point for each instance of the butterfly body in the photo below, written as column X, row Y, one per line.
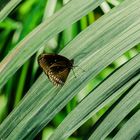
column 56, row 67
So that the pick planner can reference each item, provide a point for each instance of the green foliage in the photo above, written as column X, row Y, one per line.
column 106, row 106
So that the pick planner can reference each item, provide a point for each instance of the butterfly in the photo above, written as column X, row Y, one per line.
column 56, row 67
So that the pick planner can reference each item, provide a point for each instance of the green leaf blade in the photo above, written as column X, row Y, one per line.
column 29, row 45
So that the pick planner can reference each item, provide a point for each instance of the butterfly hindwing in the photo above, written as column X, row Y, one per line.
column 58, row 74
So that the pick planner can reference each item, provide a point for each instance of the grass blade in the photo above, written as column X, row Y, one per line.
column 45, row 31
column 131, row 129
column 43, row 102
column 8, row 8
column 97, row 99
column 129, row 102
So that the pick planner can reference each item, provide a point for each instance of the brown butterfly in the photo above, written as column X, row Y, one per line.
column 56, row 67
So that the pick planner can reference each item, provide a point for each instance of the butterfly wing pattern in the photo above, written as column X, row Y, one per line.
column 56, row 67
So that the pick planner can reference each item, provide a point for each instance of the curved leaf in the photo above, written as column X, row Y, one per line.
column 45, row 31
column 131, row 130
column 8, row 8
column 96, row 100
column 115, row 34
column 129, row 102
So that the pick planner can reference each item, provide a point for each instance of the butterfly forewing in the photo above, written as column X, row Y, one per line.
column 56, row 67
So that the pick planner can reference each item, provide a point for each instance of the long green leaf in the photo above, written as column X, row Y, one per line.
column 8, row 8
column 111, row 41
column 70, row 13
column 129, row 102
column 131, row 130
column 101, row 96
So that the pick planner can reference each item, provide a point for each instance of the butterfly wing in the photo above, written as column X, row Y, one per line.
column 58, row 74
column 56, row 67
column 50, row 59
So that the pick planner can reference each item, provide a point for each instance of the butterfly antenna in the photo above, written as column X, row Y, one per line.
column 80, row 68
